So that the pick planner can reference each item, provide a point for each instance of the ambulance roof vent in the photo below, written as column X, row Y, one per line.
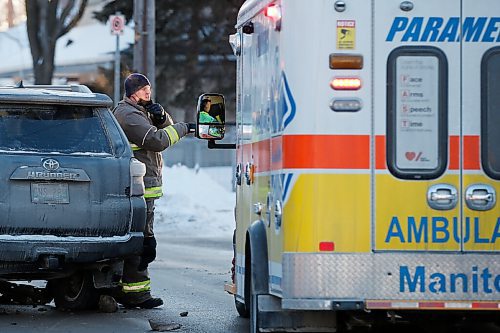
column 406, row 6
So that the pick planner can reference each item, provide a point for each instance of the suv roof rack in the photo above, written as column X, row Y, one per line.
column 72, row 94
column 68, row 87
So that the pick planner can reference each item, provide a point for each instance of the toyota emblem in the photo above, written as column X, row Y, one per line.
column 50, row 164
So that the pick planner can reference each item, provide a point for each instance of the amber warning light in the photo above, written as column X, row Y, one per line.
column 345, row 83
column 346, row 61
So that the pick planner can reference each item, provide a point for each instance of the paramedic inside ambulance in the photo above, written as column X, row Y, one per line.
column 204, row 115
column 210, row 126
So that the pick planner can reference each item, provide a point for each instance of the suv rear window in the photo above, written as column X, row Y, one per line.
column 52, row 128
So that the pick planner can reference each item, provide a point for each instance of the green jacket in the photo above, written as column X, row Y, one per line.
column 207, row 118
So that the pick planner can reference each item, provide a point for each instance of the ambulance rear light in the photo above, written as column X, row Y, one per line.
column 137, row 172
column 326, row 246
column 345, row 105
column 346, row 83
column 346, row 61
column 273, row 12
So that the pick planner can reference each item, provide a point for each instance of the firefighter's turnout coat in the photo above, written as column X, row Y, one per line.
column 148, row 141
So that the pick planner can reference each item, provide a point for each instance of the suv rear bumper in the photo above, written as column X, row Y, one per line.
column 31, row 248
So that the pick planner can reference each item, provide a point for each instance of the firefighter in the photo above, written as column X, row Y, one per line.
column 149, row 130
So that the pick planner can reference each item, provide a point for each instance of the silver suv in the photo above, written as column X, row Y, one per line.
column 71, row 199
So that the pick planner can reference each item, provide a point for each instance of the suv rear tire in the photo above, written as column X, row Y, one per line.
column 74, row 293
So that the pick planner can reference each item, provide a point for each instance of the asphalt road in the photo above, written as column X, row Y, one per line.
column 189, row 275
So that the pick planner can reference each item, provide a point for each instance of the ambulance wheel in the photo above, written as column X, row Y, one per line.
column 241, row 308
column 74, row 293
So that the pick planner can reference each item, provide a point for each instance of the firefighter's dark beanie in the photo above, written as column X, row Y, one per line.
column 135, row 82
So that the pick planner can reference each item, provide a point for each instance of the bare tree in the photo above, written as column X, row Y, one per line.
column 46, row 22
column 10, row 13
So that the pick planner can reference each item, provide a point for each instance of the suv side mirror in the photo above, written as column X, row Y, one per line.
column 210, row 117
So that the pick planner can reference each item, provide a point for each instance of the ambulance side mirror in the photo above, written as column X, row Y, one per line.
column 210, row 117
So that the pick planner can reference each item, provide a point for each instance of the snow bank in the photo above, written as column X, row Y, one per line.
column 197, row 202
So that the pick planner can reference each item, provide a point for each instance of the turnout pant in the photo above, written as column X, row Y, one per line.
column 135, row 284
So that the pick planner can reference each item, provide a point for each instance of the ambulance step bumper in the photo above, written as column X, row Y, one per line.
column 470, row 277
column 273, row 318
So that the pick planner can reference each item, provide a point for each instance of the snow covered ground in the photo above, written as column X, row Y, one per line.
column 196, row 202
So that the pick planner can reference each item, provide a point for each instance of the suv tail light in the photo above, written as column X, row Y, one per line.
column 137, row 172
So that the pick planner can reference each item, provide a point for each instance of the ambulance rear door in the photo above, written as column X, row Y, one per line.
column 417, row 127
column 480, row 125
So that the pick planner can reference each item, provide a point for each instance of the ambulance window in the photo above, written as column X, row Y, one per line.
column 247, row 62
column 490, row 112
column 417, row 112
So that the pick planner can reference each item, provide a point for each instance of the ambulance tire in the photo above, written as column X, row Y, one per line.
column 241, row 308
column 74, row 293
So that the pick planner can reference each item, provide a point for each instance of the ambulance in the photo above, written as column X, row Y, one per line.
column 367, row 161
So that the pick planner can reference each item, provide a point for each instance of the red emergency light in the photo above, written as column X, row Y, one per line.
column 274, row 12
column 346, row 83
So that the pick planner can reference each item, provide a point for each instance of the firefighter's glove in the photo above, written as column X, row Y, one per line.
column 157, row 113
column 148, row 253
column 191, row 127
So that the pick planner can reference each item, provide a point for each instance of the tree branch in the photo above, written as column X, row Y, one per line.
column 74, row 20
column 64, row 15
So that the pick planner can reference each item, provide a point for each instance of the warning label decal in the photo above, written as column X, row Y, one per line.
column 346, row 34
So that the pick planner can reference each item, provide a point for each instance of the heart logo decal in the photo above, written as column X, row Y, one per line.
column 410, row 155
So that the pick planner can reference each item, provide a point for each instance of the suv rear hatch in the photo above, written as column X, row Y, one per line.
column 59, row 173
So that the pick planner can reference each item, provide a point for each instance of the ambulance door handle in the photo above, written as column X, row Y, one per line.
column 480, row 197
column 278, row 212
column 247, row 173
column 238, row 174
column 442, row 197
column 257, row 208
column 268, row 209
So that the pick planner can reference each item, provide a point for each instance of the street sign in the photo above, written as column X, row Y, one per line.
column 117, row 23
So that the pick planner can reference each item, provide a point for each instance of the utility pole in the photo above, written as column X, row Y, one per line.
column 144, row 45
